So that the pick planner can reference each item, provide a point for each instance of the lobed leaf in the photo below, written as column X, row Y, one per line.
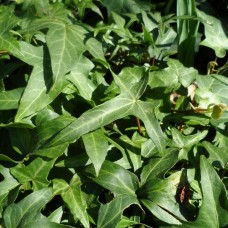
column 117, row 179
column 109, row 214
column 36, row 172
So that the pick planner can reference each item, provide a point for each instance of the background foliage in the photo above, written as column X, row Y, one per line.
column 113, row 113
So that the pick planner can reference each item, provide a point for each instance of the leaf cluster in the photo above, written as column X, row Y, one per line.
column 105, row 119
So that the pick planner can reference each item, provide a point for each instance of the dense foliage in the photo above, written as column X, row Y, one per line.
column 113, row 113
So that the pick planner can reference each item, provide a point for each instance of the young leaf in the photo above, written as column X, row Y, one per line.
column 185, row 143
column 170, row 76
column 212, row 90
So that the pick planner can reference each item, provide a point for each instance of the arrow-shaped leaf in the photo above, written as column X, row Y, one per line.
column 64, row 42
column 97, row 147
column 93, row 119
column 39, row 91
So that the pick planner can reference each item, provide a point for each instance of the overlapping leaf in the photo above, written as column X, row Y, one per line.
column 171, row 76
column 72, row 196
column 157, row 167
column 80, row 77
column 10, row 99
column 213, row 212
column 163, row 194
column 123, row 105
column 64, row 42
column 36, row 172
column 117, row 179
column 27, row 210
column 6, row 185
column 39, row 91
column 7, row 21
column 97, row 147
column 109, row 214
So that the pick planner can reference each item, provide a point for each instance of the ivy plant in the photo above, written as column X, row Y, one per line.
column 108, row 118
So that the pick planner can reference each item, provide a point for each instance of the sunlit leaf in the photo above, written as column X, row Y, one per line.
column 216, row 37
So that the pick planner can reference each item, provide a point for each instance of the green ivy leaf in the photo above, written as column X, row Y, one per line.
column 171, row 76
column 157, row 167
column 185, row 142
column 96, row 50
column 74, row 200
column 97, row 147
column 80, row 78
column 38, row 93
column 163, row 196
column 36, row 172
column 117, row 179
column 27, row 210
column 6, row 185
column 109, row 214
column 213, row 212
column 217, row 155
column 160, row 213
column 10, row 99
column 216, row 37
column 118, row 107
column 7, row 21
